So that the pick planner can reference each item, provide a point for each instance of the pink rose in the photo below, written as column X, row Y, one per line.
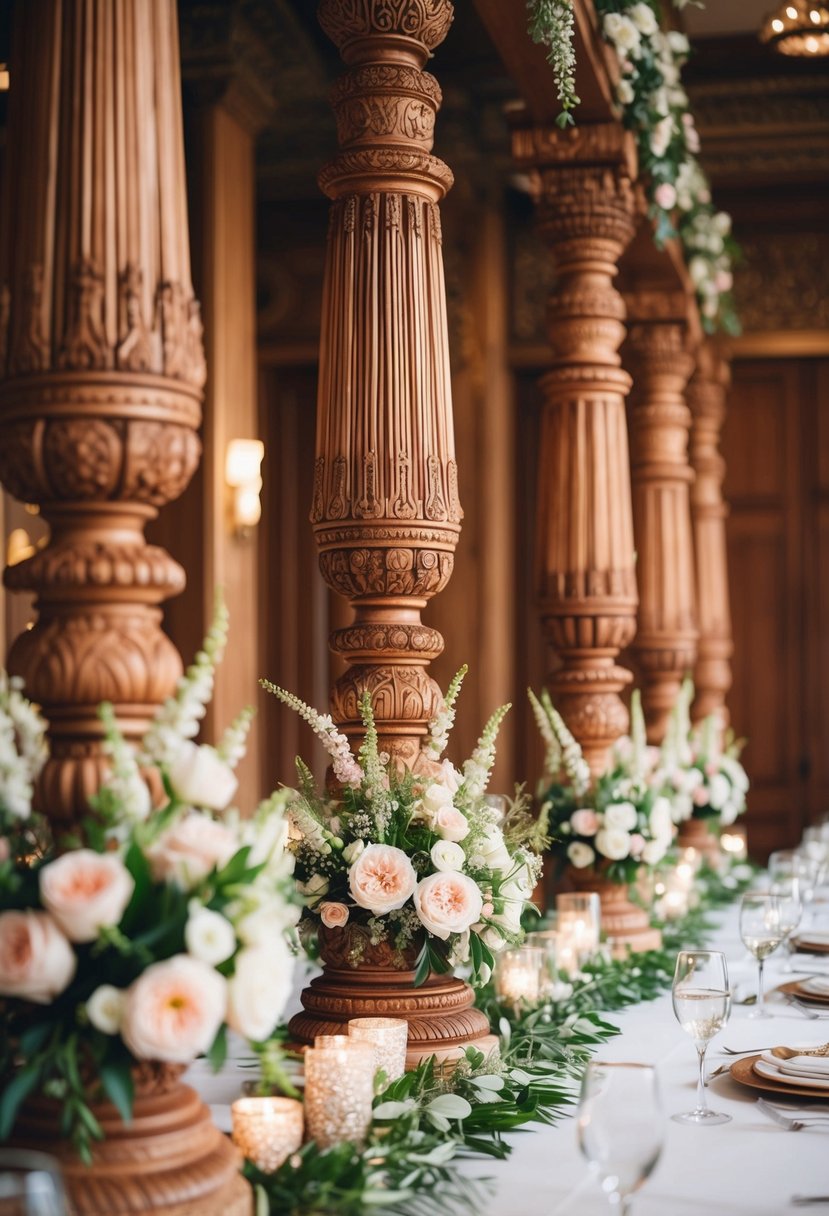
column 448, row 903
column 450, row 824
column 700, row 796
column 665, row 196
column 584, row 822
column 188, row 850
column 36, row 961
column 637, row 844
column 84, row 891
column 333, row 915
column 174, row 1010
column 381, row 879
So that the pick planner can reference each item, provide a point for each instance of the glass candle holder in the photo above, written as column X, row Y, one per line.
column 388, row 1038
column 339, row 1088
column 551, row 985
column 734, row 843
column 518, row 974
column 267, row 1130
column 579, row 923
column 497, row 803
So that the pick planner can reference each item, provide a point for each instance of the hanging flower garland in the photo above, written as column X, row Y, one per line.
column 655, row 108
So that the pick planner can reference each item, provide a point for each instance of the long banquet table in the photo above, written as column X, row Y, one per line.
column 749, row 1167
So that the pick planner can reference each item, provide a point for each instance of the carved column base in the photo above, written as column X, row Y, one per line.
column 622, row 920
column 588, row 699
column 665, row 662
column 170, row 1160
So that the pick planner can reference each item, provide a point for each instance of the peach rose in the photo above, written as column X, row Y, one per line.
column 199, row 777
column 448, row 903
column 333, row 915
column 451, row 824
column 188, row 850
column 381, row 879
column 174, row 1010
column 84, row 891
column 584, row 822
column 36, row 961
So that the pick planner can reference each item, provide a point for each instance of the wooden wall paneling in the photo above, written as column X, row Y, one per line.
column 816, row 649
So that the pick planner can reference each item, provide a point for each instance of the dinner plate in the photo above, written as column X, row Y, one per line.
column 816, row 986
column 817, row 943
column 743, row 1071
column 798, row 988
column 771, row 1072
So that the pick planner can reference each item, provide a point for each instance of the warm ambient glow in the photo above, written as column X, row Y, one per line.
column 800, row 28
column 4, row 77
column 242, row 474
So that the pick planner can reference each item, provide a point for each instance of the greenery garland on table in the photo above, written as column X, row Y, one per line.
column 655, row 107
column 426, row 1121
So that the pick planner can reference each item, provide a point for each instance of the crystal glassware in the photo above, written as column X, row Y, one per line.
column 787, row 891
column 702, row 1003
column 762, row 932
column 30, row 1185
column 621, row 1127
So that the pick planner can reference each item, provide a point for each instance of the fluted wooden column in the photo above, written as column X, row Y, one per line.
column 658, row 357
column 385, row 510
column 707, row 392
column 585, row 558
column 101, row 362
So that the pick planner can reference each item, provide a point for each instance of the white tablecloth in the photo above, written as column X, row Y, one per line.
column 749, row 1167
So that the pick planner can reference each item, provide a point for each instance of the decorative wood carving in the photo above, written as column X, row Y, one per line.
column 101, row 362
column 581, row 181
column 385, row 509
column 666, row 635
column 707, row 399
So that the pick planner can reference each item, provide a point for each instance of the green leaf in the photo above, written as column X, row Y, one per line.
column 394, row 1110
column 15, row 1093
column 116, row 1080
column 423, row 967
column 217, row 1054
column 451, row 1106
column 33, row 1039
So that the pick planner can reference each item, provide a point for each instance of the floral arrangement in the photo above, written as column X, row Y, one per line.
column 405, row 858
column 180, row 909
column 621, row 821
column 655, row 108
column 706, row 777
column 23, row 753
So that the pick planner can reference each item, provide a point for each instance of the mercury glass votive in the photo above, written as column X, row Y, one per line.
column 339, row 1088
column 518, row 974
column 267, row 1130
column 388, row 1038
column 579, row 923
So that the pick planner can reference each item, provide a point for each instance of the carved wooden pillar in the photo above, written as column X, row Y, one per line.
column 659, row 360
column 101, row 362
column 385, row 511
column 707, row 399
column 585, row 558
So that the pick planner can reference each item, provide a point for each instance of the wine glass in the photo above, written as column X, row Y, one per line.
column 620, row 1127
column 30, row 1185
column 787, row 891
column 762, row 932
column 702, row 1003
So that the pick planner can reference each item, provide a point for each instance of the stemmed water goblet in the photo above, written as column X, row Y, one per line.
column 30, row 1185
column 702, row 1003
column 790, row 903
column 761, row 930
column 620, row 1127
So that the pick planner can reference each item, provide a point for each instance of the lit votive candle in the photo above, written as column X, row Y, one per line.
column 339, row 1088
column 579, row 923
column 388, row 1038
column 267, row 1130
column 518, row 974
column 550, row 984
column 734, row 844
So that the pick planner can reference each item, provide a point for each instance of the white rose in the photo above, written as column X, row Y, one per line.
column 580, row 854
column 258, row 990
column 266, row 920
column 200, row 778
column 678, row 43
column 105, row 1008
column 190, row 848
column 352, row 851
column 36, row 961
column 624, row 91
column 493, row 850
column 452, row 779
column 698, row 270
column 613, row 843
column 721, row 223
column 661, row 819
column 729, row 812
column 447, row 855
column 448, row 903
column 86, row 891
column 654, row 851
column 209, row 937
column 314, row 889
column 450, row 824
column 435, row 797
column 644, row 18
column 174, row 1010
column 620, row 815
column 622, row 33
column 381, row 879
column 719, row 791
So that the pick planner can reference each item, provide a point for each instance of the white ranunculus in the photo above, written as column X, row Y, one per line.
column 200, row 778
column 209, row 937
column 105, row 1008
column 644, row 18
column 580, row 855
column 613, row 843
column 621, row 815
column 719, row 791
column 352, row 851
column 259, row 989
column 447, row 855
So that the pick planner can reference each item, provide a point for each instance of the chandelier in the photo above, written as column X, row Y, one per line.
column 798, row 27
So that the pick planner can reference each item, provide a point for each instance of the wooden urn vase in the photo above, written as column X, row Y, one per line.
column 622, row 919
column 697, row 834
column 442, row 1018
column 170, row 1159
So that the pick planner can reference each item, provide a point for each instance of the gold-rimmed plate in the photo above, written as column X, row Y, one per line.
column 807, row 946
column 743, row 1072
column 795, row 988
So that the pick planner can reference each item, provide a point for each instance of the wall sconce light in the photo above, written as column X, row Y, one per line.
column 242, row 474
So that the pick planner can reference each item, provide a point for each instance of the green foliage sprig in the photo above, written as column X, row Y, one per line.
column 551, row 24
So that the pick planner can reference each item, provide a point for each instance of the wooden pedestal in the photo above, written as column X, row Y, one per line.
column 622, row 920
